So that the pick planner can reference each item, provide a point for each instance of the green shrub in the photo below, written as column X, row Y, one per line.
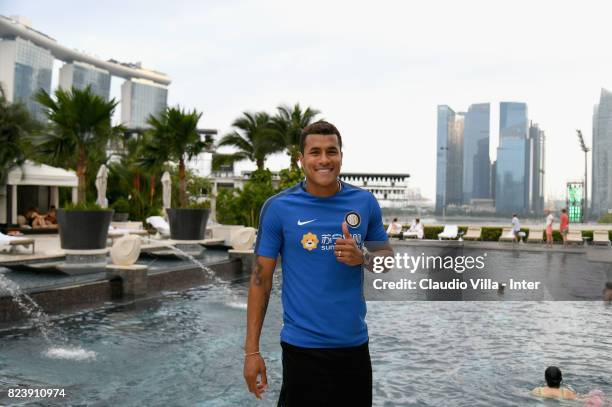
column 607, row 218
column 121, row 205
column 199, row 205
column 84, row 206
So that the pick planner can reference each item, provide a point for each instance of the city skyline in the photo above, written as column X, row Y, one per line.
column 373, row 75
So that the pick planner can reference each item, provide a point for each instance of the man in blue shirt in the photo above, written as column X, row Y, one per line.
column 319, row 228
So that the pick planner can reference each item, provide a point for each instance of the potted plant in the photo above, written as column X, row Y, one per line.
column 79, row 131
column 122, row 210
column 175, row 137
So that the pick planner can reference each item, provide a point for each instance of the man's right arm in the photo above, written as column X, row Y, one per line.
column 257, row 305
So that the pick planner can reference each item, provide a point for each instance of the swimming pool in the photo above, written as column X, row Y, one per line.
column 184, row 349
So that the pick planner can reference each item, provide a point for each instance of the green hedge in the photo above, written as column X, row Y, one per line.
column 492, row 234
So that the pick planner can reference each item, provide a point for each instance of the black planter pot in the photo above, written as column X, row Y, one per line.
column 187, row 224
column 83, row 230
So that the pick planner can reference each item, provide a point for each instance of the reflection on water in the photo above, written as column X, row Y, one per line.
column 186, row 349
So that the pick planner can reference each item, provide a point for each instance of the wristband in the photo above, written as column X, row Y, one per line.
column 246, row 355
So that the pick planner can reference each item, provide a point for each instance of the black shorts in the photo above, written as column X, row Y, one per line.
column 323, row 377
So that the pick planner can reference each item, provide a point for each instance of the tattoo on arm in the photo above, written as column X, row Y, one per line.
column 257, row 274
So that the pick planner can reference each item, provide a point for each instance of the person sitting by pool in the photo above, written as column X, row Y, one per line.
column 416, row 229
column 395, row 229
column 553, row 388
column 35, row 219
column 51, row 216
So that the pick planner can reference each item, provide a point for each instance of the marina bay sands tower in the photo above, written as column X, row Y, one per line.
column 26, row 66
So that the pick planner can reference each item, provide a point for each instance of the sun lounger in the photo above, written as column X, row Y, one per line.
column 601, row 237
column 507, row 235
column 160, row 225
column 12, row 241
column 535, row 235
column 473, row 233
column 449, row 232
column 575, row 236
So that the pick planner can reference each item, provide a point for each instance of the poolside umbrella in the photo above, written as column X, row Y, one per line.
column 166, row 190
column 101, row 182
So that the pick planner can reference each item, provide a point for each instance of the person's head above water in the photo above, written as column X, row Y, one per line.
column 553, row 376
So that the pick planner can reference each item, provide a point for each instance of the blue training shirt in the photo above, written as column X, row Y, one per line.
column 323, row 303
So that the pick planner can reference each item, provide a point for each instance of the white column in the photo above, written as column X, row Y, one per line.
column 3, row 203
column 13, row 204
column 75, row 195
column 54, row 198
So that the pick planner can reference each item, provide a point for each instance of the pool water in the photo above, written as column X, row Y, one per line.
column 185, row 349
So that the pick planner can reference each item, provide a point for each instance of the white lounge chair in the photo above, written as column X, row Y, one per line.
column 601, row 237
column 473, row 233
column 449, row 232
column 535, row 235
column 507, row 235
column 12, row 241
column 575, row 237
column 160, row 224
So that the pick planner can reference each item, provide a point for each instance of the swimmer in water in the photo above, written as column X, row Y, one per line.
column 553, row 388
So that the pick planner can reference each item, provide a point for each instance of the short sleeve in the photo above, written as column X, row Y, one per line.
column 376, row 230
column 270, row 232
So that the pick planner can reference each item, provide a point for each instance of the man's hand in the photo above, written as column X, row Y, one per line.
column 346, row 249
column 254, row 367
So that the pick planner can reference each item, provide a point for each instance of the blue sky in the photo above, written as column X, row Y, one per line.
column 376, row 70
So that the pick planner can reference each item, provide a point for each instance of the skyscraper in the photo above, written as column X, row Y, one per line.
column 25, row 68
column 512, row 179
column 446, row 121
column 601, row 190
column 476, row 161
column 449, row 155
column 140, row 99
column 80, row 75
column 537, row 154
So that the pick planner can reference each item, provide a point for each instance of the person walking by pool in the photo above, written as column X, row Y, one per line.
column 564, row 226
column 553, row 389
column 516, row 228
column 318, row 226
column 549, row 228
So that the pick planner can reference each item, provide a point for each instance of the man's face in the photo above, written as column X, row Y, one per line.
column 322, row 159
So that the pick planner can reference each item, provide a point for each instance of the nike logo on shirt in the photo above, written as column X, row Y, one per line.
column 300, row 223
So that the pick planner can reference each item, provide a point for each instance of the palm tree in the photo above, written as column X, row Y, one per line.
column 80, row 129
column 255, row 139
column 16, row 125
column 176, row 138
column 289, row 122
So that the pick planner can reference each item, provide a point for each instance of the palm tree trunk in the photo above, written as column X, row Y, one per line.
column 82, row 182
column 151, row 188
column 260, row 164
column 182, row 187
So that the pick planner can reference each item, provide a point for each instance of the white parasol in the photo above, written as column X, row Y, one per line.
column 101, row 182
column 166, row 190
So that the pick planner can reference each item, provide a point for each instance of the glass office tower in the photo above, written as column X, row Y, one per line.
column 140, row 99
column 81, row 75
column 601, row 190
column 446, row 121
column 537, row 153
column 476, row 161
column 512, row 178
column 25, row 69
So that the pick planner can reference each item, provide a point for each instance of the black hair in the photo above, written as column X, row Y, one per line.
column 394, row 219
column 553, row 377
column 320, row 127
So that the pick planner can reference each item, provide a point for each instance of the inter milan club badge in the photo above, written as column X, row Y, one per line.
column 352, row 219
